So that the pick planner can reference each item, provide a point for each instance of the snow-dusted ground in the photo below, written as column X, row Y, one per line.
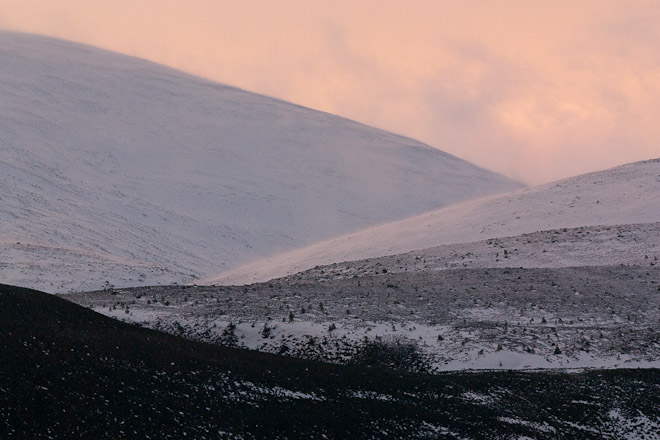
column 59, row 269
column 571, row 297
column 636, row 244
column 116, row 169
column 104, row 380
column 623, row 195
column 592, row 299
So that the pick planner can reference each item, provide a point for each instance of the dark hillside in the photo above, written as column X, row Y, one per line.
column 67, row 372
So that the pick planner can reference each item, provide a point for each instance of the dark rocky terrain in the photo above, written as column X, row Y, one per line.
column 68, row 372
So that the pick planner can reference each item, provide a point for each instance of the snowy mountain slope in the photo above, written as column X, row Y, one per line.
column 623, row 195
column 115, row 169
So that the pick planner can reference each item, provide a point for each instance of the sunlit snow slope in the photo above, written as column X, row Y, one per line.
column 117, row 170
column 624, row 195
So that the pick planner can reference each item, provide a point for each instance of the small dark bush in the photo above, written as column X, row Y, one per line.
column 228, row 336
column 394, row 354
column 265, row 332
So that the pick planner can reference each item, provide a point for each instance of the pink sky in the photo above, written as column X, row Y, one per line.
column 535, row 90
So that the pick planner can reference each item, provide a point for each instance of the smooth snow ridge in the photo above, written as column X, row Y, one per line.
column 114, row 170
column 623, row 195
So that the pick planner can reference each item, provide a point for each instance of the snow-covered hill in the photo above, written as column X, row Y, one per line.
column 114, row 170
column 624, row 195
column 565, row 298
column 569, row 297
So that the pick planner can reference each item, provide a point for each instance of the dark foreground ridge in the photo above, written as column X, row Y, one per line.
column 67, row 372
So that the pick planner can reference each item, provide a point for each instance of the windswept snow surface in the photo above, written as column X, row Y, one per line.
column 629, row 194
column 114, row 170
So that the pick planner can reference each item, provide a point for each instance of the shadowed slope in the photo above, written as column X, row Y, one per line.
column 67, row 372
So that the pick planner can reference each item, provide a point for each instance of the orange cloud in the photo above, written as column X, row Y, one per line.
column 535, row 90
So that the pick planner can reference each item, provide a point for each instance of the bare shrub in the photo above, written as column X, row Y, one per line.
column 395, row 353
